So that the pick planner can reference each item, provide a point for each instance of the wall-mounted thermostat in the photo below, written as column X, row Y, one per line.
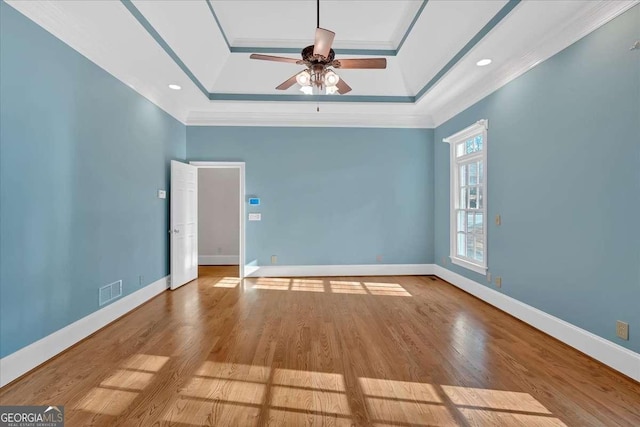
column 162, row 194
column 255, row 217
column 254, row 201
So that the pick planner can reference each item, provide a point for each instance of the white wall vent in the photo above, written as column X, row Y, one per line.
column 109, row 292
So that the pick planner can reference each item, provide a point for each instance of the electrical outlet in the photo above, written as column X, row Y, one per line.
column 498, row 282
column 378, row 258
column 140, row 279
column 444, row 260
column 498, row 220
column 488, row 277
column 622, row 330
column 274, row 259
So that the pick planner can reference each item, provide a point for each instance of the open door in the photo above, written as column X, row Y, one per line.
column 184, row 223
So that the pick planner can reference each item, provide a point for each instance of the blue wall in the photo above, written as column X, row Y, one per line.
column 331, row 195
column 81, row 158
column 82, row 155
column 564, row 173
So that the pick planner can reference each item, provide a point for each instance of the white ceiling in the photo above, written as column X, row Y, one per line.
column 378, row 24
column 205, row 48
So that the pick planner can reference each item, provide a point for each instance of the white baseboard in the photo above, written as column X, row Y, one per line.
column 611, row 354
column 218, row 259
column 33, row 355
column 338, row 270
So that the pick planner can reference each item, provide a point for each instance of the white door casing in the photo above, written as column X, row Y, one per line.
column 241, row 168
column 184, row 223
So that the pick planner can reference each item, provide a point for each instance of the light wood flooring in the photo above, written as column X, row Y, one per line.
column 388, row 351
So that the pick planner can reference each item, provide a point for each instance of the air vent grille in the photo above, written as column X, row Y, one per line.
column 109, row 292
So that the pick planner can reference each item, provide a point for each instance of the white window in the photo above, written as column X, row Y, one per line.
column 468, row 216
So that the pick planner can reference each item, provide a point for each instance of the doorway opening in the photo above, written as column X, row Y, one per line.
column 220, row 218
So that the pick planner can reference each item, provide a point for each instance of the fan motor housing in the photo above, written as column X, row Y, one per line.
column 308, row 56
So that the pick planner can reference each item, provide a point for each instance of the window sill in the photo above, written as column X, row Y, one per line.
column 469, row 266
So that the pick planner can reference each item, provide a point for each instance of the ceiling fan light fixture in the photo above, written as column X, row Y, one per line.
column 307, row 90
column 331, row 90
column 331, row 78
column 304, row 78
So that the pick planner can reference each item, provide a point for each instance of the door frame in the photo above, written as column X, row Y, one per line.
column 240, row 167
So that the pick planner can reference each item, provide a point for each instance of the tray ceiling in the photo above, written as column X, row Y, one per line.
column 431, row 48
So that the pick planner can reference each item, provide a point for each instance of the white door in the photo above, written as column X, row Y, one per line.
column 184, row 223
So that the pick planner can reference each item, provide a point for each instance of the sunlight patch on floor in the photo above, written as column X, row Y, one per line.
column 192, row 412
column 333, row 286
column 392, row 411
column 234, row 371
column 494, row 399
column 227, row 282
column 316, row 380
column 345, row 287
column 145, row 362
column 487, row 417
column 307, row 285
column 106, row 401
column 225, row 390
column 271, row 284
column 327, row 402
column 116, row 392
column 131, row 380
column 280, row 417
column 421, row 392
column 389, row 289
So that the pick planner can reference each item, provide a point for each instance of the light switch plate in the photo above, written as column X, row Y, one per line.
column 255, row 217
column 162, row 194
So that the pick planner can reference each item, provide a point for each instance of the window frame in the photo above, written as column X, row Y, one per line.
column 479, row 128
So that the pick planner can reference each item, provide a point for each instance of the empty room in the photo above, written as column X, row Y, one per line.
column 319, row 213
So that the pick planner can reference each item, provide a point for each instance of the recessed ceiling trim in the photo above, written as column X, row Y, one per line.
column 215, row 17
column 309, row 98
column 294, row 50
column 372, row 52
column 411, row 25
column 321, row 98
column 158, row 38
column 506, row 9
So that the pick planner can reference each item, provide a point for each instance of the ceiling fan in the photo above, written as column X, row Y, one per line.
column 319, row 59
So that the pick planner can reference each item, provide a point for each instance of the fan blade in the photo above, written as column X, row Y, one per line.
column 323, row 42
column 273, row 58
column 343, row 87
column 364, row 63
column 288, row 83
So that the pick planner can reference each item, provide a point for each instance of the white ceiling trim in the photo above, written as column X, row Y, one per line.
column 301, row 43
column 581, row 25
column 82, row 36
column 315, row 119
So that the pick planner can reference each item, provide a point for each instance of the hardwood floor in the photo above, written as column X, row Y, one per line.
column 388, row 351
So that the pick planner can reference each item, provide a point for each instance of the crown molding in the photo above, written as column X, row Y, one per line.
column 76, row 34
column 595, row 15
column 296, row 43
column 318, row 119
